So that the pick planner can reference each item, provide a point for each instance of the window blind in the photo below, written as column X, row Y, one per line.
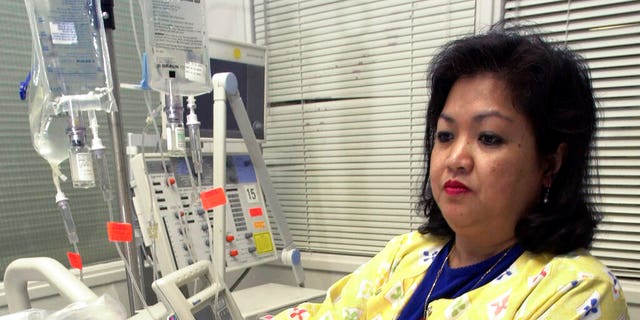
column 31, row 224
column 345, row 122
column 607, row 34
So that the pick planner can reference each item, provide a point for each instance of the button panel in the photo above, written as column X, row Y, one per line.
column 185, row 226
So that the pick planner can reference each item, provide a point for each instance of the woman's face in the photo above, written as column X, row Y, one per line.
column 485, row 170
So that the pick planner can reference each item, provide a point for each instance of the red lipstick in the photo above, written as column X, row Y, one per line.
column 454, row 187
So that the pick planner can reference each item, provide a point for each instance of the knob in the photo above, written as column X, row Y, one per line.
column 230, row 238
column 233, row 252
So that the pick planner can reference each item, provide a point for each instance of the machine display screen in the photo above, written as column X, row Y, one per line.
column 181, row 172
column 239, row 170
column 181, row 167
column 251, row 84
column 242, row 169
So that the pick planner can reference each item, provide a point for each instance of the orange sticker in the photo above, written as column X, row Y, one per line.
column 259, row 225
column 75, row 260
column 213, row 198
column 255, row 212
column 119, row 232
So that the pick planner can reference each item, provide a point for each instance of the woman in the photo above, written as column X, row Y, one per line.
column 510, row 125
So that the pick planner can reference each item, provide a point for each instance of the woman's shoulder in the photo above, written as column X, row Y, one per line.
column 577, row 265
column 579, row 260
column 567, row 283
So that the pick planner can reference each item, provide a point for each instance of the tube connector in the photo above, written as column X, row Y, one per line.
column 192, row 119
column 191, row 102
column 96, row 144
column 60, row 197
column 65, row 210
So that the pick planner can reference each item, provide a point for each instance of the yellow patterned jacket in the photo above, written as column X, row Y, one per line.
column 535, row 286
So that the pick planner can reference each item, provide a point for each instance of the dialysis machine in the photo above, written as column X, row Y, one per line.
column 178, row 230
column 163, row 187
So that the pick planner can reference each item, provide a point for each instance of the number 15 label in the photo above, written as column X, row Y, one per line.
column 251, row 191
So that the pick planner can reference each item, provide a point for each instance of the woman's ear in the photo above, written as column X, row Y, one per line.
column 553, row 164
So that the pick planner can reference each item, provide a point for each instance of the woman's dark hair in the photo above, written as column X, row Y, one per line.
column 551, row 86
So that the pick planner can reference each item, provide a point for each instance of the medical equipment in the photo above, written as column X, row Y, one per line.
column 174, row 128
column 211, row 298
column 178, row 230
column 194, row 136
column 65, row 210
column 176, row 55
column 80, row 159
column 176, row 41
column 183, row 237
column 70, row 80
column 19, row 272
column 248, row 63
column 225, row 88
column 188, row 239
column 70, row 75
column 101, row 165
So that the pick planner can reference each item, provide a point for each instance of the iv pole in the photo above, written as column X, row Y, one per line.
column 122, row 175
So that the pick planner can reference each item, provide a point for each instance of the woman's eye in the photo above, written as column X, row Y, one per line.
column 444, row 136
column 490, row 139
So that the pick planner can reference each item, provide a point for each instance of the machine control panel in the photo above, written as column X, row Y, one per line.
column 166, row 193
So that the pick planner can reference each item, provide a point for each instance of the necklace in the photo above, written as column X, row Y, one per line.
column 427, row 308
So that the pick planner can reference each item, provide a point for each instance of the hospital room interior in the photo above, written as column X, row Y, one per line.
column 116, row 114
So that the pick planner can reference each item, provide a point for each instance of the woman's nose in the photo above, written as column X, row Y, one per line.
column 460, row 158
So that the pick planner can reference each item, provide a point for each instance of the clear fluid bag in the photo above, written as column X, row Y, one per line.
column 176, row 40
column 70, row 70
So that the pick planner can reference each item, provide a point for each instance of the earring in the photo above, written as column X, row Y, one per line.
column 545, row 200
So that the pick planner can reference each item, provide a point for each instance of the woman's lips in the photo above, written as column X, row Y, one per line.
column 454, row 187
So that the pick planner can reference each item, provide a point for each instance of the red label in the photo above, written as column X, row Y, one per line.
column 119, row 232
column 255, row 212
column 75, row 260
column 213, row 198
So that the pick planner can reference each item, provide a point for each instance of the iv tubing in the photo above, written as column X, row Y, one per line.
column 133, row 283
column 63, row 206
column 194, row 135
column 101, row 170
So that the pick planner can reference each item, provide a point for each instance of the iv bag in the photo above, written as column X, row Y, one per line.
column 176, row 40
column 70, row 70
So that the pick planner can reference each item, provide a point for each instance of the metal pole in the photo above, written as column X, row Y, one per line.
column 122, row 174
